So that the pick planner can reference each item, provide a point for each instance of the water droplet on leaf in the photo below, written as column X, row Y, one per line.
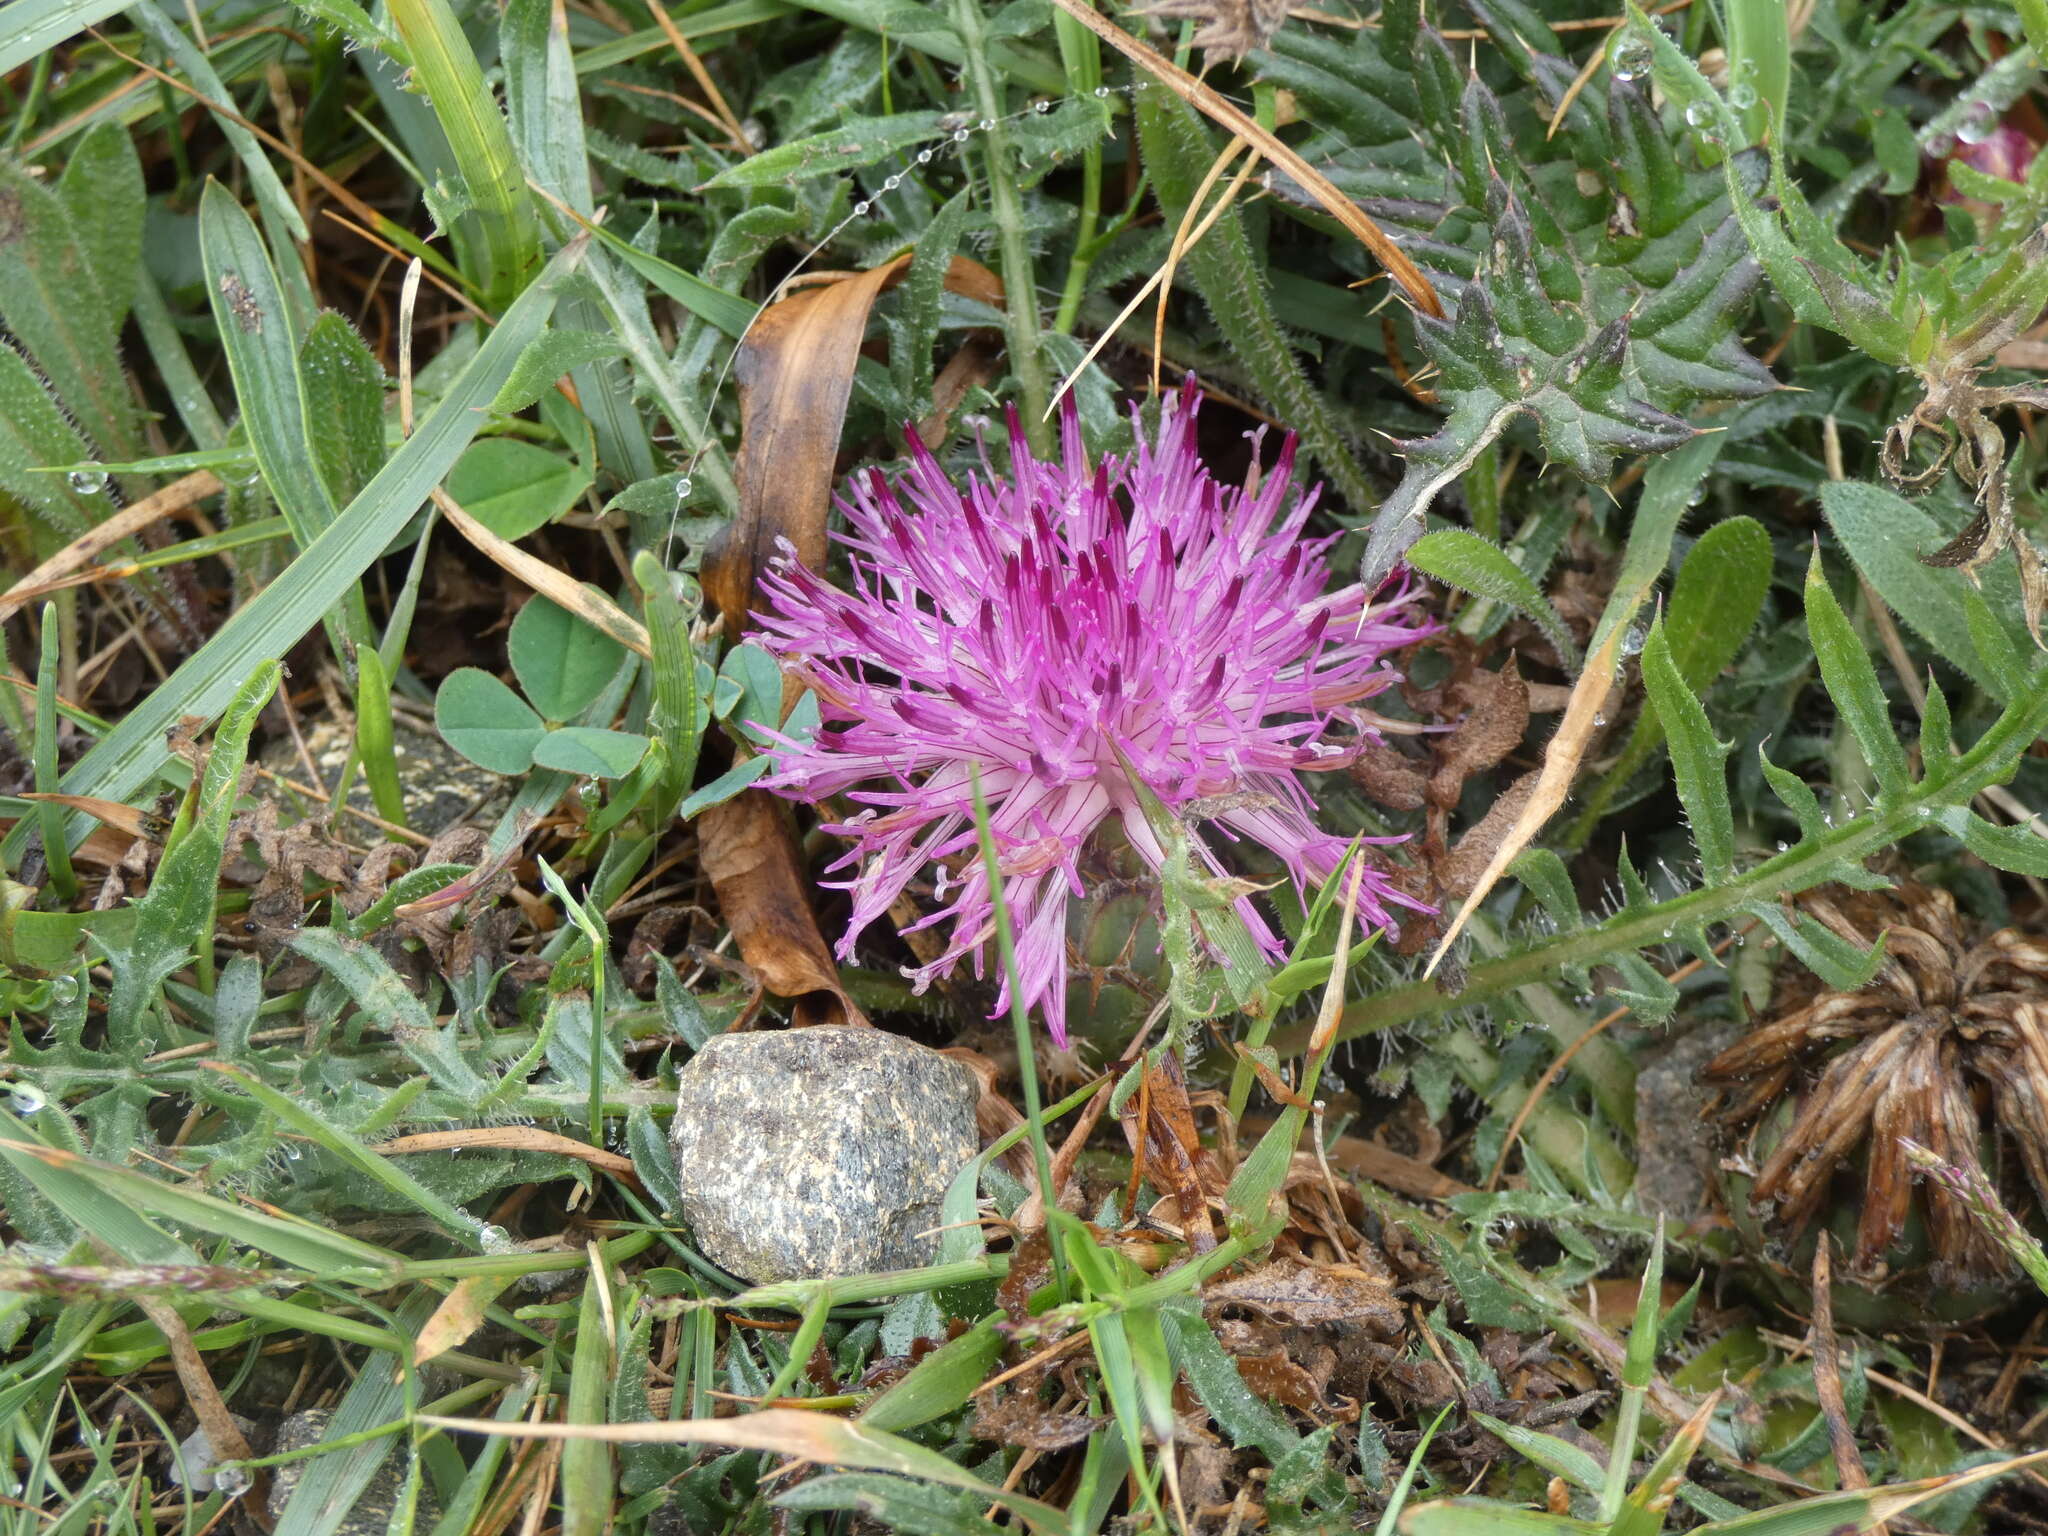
column 1631, row 58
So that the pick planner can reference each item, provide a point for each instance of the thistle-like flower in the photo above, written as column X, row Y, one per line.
column 1059, row 633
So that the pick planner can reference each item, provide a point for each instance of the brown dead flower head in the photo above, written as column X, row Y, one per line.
column 1947, row 1046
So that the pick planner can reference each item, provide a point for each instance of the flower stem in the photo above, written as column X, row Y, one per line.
column 1020, row 1020
column 1019, row 284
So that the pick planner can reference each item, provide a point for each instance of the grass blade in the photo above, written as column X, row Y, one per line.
column 447, row 70
column 267, row 626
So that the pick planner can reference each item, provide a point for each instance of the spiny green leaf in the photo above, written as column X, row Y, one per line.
column 552, row 355
column 832, row 153
column 1696, row 757
column 2021, row 850
column 176, row 913
column 50, row 298
column 344, row 388
column 383, row 996
column 1852, row 683
column 1478, row 566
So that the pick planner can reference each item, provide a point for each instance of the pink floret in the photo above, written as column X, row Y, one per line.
column 1032, row 629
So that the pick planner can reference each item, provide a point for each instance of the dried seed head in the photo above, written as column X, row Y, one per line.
column 1946, row 1050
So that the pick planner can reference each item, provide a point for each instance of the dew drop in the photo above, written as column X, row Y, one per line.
column 959, row 135
column 892, row 183
column 232, row 1482
column 683, row 488
column 1783, row 846
column 494, row 1239
column 1698, row 115
column 1041, row 107
column 27, row 1099
column 1632, row 641
column 924, row 157
column 1742, row 96
column 1631, row 57
column 1599, row 719
column 860, row 208
column 87, row 482
column 1941, row 146
column 63, row 989
column 1102, row 93
column 1979, row 122
column 986, row 123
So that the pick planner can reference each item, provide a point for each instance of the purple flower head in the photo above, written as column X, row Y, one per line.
column 1046, row 631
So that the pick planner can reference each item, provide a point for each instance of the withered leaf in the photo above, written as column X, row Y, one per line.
column 1495, row 706
column 795, row 372
column 1311, row 1295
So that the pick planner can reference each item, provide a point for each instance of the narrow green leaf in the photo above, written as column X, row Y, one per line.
column 198, row 71
column 295, row 1114
column 837, row 150
column 376, row 739
column 2019, row 850
column 1827, row 954
column 176, row 913
column 344, row 388
column 51, row 301
column 1852, row 683
column 941, row 1382
column 32, row 27
column 542, row 364
column 1696, row 757
column 1886, row 535
column 269, row 624
column 334, row 1485
column 303, row 1244
column 724, row 787
column 589, row 1484
column 385, row 999
column 892, row 1504
column 103, row 191
column 1483, row 1517
column 542, row 104
column 1246, row 1418
column 255, row 327
column 1556, row 1456
column 446, row 69
column 1483, row 568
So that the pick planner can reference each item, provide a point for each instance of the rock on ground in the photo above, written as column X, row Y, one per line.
column 806, row 1153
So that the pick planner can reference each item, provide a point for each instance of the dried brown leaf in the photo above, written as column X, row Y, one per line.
column 1314, row 1295
column 795, row 370
column 460, row 1314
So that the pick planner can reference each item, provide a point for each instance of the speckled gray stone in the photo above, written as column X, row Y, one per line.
column 804, row 1153
column 1676, row 1149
